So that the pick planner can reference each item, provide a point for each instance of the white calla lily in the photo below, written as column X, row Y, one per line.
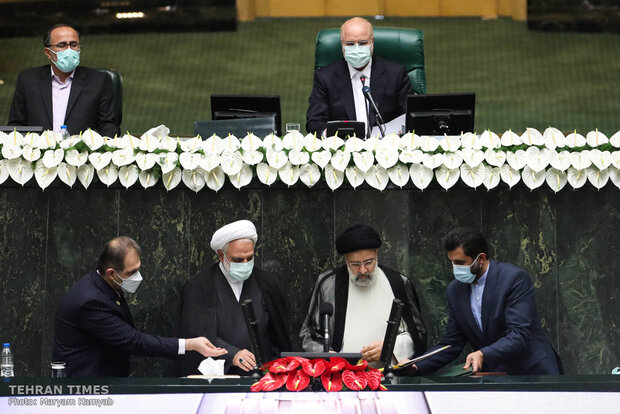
column 355, row 176
column 309, row 174
column 251, row 143
column 492, row 177
column 473, row 176
column 44, row 175
column 20, row 170
column 333, row 143
column 450, row 143
column 509, row 138
column 297, row 157
column 399, row 175
column 447, row 177
column 147, row 179
column 554, row 138
column 293, row 140
column 596, row 138
column 471, row 141
column 409, row 156
column 354, row 145
column 31, row 138
column 452, row 160
column 242, row 178
column 597, row 177
column 194, row 179
column 67, row 173
column 69, row 142
column 372, row 144
column 266, row 173
column 276, row 159
column 411, row 141
column 556, row 179
column 210, row 161
column 14, row 138
column 48, row 139
column 313, row 143
column 532, row 136
column 387, row 157
column 213, row 145
column 574, row 140
column 128, row 175
column 191, row 160
column 333, row 177
column 51, row 158
column 614, row 176
column 92, row 139
column 537, row 159
column 148, row 142
column 100, row 160
column 273, row 142
column 192, row 144
column 509, row 175
column 86, row 173
column 600, row 159
column 429, row 144
column 377, row 177
column 75, row 158
column 289, row 174
column 340, row 160
column 432, row 161
column 421, row 176
column 172, row 178
column 231, row 162
column 321, row 158
column 517, row 160
column 391, row 142
column 580, row 160
column 167, row 161
column 615, row 159
column 108, row 174
column 11, row 152
column 559, row 160
column 576, row 178
column 472, row 157
column 145, row 161
column 123, row 157
column 615, row 140
column 168, row 143
column 489, row 139
column 252, row 157
column 363, row 160
column 533, row 179
column 231, row 143
column 30, row 153
column 495, row 158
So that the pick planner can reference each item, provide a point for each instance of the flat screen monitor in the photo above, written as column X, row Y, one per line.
column 21, row 128
column 439, row 114
column 247, row 106
column 346, row 129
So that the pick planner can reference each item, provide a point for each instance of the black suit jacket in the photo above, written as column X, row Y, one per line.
column 94, row 332
column 512, row 339
column 332, row 95
column 91, row 101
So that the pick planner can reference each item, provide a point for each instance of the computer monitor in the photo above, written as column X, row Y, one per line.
column 439, row 114
column 246, row 106
column 346, row 129
column 21, row 128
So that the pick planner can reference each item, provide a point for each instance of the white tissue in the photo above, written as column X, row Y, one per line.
column 211, row 366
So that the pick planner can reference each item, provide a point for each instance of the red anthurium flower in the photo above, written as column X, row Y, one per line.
column 373, row 376
column 297, row 381
column 282, row 365
column 314, row 368
column 332, row 381
column 335, row 364
column 360, row 366
column 355, row 381
column 276, row 382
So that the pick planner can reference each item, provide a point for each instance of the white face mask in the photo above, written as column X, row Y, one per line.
column 129, row 285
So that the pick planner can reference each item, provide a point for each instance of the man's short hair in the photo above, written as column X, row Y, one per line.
column 470, row 239
column 114, row 253
column 356, row 18
column 47, row 38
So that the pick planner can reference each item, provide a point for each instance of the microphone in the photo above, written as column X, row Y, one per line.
column 378, row 117
column 326, row 310
column 363, row 79
column 252, row 325
column 391, row 332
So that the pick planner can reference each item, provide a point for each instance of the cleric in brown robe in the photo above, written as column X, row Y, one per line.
column 211, row 303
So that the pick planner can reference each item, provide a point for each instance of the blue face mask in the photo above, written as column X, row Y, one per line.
column 463, row 273
column 240, row 271
column 357, row 56
column 67, row 60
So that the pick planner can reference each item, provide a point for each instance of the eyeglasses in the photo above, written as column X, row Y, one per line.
column 360, row 43
column 367, row 263
column 63, row 45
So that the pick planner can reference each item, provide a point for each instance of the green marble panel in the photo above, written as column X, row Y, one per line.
column 520, row 228
column 298, row 244
column 588, row 233
column 159, row 222
column 433, row 213
column 23, row 222
column 80, row 223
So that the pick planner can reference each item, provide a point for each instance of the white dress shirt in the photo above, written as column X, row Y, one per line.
column 361, row 106
column 60, row 99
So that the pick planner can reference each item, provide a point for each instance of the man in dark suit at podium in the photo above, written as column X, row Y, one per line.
column 64, row 93
column 337, row 90
column 492, row 307
column 94, row 334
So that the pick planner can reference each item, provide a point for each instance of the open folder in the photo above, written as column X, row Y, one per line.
column 420, row 358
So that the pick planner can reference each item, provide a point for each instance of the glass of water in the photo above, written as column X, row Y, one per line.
column 292, row 127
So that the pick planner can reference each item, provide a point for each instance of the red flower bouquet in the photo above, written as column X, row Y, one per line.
column 335, row 374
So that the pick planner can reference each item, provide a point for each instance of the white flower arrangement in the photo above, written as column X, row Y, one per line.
column 487, row 160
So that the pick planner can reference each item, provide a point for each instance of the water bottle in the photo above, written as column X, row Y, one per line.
column 64, row 133
column 7, row 361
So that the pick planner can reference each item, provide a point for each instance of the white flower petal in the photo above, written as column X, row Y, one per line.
column 51, row 158
column 532, row 136
column 363, row 160
column 276, row 159
column 231, row 143
column 409, row 156
column 242, row 178
column 251, row 143
column 575, row 140
column 11, row 152
column 614, row 175
column 388, row 157
column 399, row 175
column 340, row 160
column 509, row 138
column 429, row 144
column 615, row 159
column 167, row 161
column 123, row 157
column 596, row 138
column 489, row 139
column 172, row 178
column 194, row 179
column 250, row 158
column 333, row 143
column 67, row 173
column 390, row 142
column 86, row 173
column 273, row 142
column 192, row 144
column 108, row 174
column 149, row 143
column 597, row 177
column 191, row 161
column 321, row 158
column 554, row 138
column 473, row 177
column 560, row 160
column 293, row 141
column 77, row 159
column 21, row 171
column 266, row 173
column 4, row 170
column 411, row 141
column 92, row 139
column 30, row 153
column 576, row 178
column 377, row 177
column 210, row 161
column 453, row 160
column 537, row 159
column 298, row 157
column 48, row 139
column 472, row 157
column 231, row 162
column 145, row 161
column 447, row 177
column 354, row 145
column 471, row 141
column 517, row 160
column 14, row 138
column 289, row 174
column 556, row 179
column 600, row 159
column 495, row 158
column 309, row 174
column 372, row 144
column 421, row 176
column 491, row 177
column 450, row 143
column 333, row 177
column 533, row 179
column 509, row 175
column 213, row 145
column 100, row 160
column 615, row 140
column 355, row 176
column 128, row 175
column 580, row 160
column 147, row 179
column 313, row 143
column 44, row 175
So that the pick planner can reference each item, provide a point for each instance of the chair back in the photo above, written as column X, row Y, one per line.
column 117, row 91
column 239, row 127
column 401, row 45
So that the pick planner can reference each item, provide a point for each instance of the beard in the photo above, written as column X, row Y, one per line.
column 361, row 279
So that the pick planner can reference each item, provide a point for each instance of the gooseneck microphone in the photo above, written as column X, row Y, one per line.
column 378, row 117
column 326, row 310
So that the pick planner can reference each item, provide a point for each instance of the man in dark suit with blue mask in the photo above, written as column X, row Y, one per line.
column 492, row 307
column 94, row 333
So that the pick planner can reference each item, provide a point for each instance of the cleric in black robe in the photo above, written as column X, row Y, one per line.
column 361, row 292
column 211, row 302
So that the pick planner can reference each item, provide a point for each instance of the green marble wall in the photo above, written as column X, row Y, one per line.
column 567, row 242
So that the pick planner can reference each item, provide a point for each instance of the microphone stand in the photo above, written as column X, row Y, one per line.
column 390, row 338
column 378, row 117
column 252, row 325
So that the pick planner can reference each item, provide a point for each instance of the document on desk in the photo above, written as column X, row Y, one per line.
column 420, row 358
column 394, row 126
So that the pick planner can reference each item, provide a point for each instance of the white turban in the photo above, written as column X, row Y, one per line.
column 242, row 229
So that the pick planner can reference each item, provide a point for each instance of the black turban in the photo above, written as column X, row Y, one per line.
column 357, row 237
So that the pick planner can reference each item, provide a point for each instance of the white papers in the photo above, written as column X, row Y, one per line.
column 395, row 126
